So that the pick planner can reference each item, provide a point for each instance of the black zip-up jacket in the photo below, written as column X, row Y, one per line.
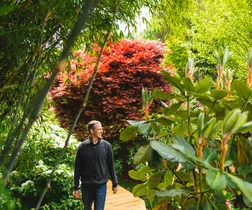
column 93, row 162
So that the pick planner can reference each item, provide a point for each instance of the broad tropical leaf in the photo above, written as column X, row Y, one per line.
column 167, row 152
column 145, row 170
column 141, row 155
column 183, row 146
column 139, row 190
column 174, row 81
column 162, row 95
column 188, row 84
column 145, row 128
column 171, row 110
column 218, row 94
column 155, row 179
column 164, row 121
column 150, row 194
column 204, row 85
column 128, row 133
column 245, row 187
column 242, row 90
column 171, row 193
column 136, row 123
column 216, row 180
column 137, row 176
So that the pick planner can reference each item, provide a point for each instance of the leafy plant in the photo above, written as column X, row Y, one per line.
column 125, row 67
column 205, row 151
column 34, row 167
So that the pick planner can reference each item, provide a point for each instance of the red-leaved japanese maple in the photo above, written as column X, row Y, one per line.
column 125, row 68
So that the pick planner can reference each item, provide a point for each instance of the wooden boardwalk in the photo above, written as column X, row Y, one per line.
column 122, row 200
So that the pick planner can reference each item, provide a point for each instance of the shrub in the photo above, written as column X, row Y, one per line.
column 34, row 167
column 125, row 68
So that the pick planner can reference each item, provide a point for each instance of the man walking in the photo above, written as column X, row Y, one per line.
column 94, row 159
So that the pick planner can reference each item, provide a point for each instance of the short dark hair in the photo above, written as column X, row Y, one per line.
column 92, row 124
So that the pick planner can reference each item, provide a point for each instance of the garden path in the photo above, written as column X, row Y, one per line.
column 123, row 200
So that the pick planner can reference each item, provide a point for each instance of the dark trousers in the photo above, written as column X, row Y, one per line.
column 94, row 193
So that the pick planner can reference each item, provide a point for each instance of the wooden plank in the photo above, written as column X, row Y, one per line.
column 123, row 200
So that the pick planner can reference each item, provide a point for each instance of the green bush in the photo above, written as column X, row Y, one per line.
column 34, row 167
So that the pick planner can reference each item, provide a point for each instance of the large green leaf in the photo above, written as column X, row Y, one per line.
column 155, row 179
column 141, row 155
column 145, row 128
column 155, row 127
column 184, row 114
column 145, row 170
column 172, row 109
column 167, row 152
column 216, row 180
column 242, row 90
column 245, row 187
column 215, row 106
column 204, row 85
column 136, row 123
column 137, row 176
column 162, row 95
column 171, row 193
column 218, row 94
column 150, row 194
column 168, row 177
column 183, row 146
column 139, row 190
column 188, row 84
column 128, row 133
column 174, row 81
column 164, row 121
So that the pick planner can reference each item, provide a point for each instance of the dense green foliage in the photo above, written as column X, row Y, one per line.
column 36, row 40
column 204, row 138
column 34, row 165
column 203, row 26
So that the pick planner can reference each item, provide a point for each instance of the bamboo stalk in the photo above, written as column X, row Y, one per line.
column 37, row 103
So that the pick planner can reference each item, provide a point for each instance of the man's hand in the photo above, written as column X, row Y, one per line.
column 76, row 194
column 115, row 189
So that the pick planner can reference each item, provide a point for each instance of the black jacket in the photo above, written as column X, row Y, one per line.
column 93, row 162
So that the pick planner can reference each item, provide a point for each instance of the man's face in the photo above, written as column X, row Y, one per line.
column 97, row 131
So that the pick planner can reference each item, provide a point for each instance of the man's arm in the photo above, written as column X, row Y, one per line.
column 76, row 192
column 111, row 169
